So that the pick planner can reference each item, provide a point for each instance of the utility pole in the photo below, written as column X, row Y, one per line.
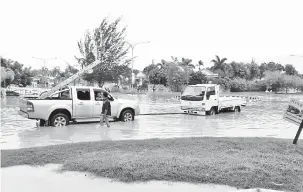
column 132, row 46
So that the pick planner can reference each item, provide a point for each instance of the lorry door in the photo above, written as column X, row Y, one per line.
column 212, row 97
column 97, row 102
column 83, row 103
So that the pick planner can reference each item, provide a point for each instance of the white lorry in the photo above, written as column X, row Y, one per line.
column 76, row 103
column 204, row 99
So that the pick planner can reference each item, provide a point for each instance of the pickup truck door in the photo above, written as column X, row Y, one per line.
column 97, row 102
column 83, row 103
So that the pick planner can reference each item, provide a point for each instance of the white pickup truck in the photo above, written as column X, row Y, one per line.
column 204, row 99
column 76, row 104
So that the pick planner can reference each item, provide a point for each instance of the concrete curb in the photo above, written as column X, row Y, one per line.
column 257, row 190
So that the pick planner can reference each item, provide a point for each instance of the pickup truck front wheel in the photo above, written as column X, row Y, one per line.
column 60, row 119
column 127, row 115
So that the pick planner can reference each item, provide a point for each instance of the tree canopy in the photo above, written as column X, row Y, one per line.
column 107, row 42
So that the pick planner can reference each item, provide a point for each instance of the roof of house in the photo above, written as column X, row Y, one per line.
column 140, row 74
column 208, row 72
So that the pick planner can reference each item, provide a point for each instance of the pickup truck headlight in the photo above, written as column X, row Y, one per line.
column 30, row 106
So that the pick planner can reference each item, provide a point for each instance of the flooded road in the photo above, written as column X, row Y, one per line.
column 258, row 119
column 46, row 179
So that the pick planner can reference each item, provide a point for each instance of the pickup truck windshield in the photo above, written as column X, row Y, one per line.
column 192, row 93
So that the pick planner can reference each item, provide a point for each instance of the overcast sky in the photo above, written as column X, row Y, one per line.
column 266, row 30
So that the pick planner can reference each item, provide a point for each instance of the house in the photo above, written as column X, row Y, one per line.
column 48, row 81
column 35, row 81
column 209, row 74
column 140, row 76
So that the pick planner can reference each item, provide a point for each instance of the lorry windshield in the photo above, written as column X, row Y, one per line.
column 193, row 93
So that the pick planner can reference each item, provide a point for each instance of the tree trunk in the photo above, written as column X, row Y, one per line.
column 186, row 74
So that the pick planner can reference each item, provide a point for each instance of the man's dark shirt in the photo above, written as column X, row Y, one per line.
column 106, row 106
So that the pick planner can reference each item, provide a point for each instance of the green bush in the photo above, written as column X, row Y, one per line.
column 224, row 82
column 144, row 85
column 238, row 85
column 197, row 78
column 241, row 85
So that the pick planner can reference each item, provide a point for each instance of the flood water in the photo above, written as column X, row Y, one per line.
column 263, row 118
column 37, row 179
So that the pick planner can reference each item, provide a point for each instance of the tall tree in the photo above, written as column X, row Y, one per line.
column 108, row 43
column 218, row 63
column 254, row 71
column 197, row 78
column 240, row 70
column 200, row 64
column 187, row 66
column 55, row 71
column 263, row 69
column 290, row 70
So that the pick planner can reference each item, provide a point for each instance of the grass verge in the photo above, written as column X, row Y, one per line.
column 238, row 162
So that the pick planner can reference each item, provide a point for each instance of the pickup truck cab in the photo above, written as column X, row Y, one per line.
column 204, row 99
column 76, row 104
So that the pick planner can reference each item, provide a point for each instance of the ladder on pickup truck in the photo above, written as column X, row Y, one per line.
column 69, row 80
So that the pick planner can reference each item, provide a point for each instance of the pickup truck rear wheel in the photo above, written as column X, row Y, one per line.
column 60, row 119
column 127, row 115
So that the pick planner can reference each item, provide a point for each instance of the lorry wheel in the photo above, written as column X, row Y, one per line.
column 212, row 111
column 59, row 119
column 237, row 109
column 127, row 115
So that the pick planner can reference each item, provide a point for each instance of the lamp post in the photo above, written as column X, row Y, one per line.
column 44, row 65
column 132, row 46
column 296, row 55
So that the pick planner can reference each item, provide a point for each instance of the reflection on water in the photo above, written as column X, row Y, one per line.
column 16, row 179
column 257, row 119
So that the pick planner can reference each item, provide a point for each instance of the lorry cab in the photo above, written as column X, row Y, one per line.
column 203, row 99
column 197, row 99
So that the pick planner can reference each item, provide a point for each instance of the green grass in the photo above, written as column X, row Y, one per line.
column 238, row 162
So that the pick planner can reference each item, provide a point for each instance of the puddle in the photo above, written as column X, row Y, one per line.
column 47, row 179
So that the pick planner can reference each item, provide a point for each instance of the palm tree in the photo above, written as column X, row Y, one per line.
column 218, row 63
column 200, row 64
column 186, row 64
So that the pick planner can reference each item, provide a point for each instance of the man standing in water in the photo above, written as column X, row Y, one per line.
column 106, row 110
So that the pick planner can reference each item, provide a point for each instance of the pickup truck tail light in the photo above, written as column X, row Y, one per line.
column 29, row 106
